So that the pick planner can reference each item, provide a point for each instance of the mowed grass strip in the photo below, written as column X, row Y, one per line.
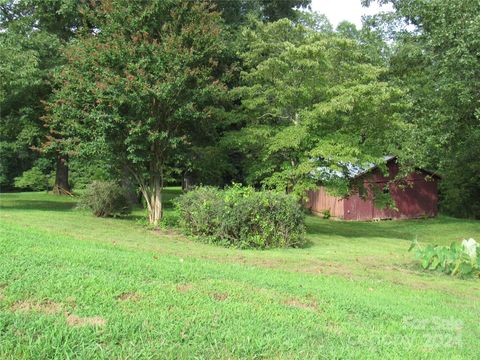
column 64, row 297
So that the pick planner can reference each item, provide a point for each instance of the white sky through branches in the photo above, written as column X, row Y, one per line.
column 350, row 10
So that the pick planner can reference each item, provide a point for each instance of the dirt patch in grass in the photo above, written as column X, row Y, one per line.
column 74, row 320
column 128, row 296
column 47, row 307
column 220, row 296
column 184, row 288
column 310, row 305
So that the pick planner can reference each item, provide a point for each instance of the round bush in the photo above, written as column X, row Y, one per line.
column 243, row 217
column 200, row 210
column 105, row 198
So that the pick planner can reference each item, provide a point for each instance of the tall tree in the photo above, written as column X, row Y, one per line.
column 142, row 88
column 37, row 29
column 210, row 163
column 314, row 101
column 19, row 127
column 436, row 61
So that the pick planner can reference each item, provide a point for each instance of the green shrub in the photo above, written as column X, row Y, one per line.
column 200, row 210
column 34, row 179
column 105, row 198
column 326, row 214
column 243, row 217
column 454, row 260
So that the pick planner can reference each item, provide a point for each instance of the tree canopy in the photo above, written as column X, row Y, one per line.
column 313, row 101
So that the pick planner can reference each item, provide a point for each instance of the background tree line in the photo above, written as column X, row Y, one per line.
column 252, row 91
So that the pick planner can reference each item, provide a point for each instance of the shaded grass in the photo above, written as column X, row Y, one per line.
column 349, row 295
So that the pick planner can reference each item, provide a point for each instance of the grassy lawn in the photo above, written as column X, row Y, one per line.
column 75, row 286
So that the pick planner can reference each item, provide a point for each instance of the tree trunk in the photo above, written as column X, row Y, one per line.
column 61, row 187
column 153, row 198
column 156, row 213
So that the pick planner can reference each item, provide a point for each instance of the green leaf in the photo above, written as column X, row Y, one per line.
column 465, row 268
column 426, row 262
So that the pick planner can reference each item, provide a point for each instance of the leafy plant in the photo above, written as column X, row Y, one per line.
column 242, row 217
column 326, row 214
column 200, row 210
column 33, row 179
column 455, row 260
column 105, row 198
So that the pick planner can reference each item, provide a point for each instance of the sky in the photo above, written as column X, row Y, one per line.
column 350, row 10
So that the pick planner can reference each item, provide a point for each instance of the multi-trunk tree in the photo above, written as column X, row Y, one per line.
column 141, row 88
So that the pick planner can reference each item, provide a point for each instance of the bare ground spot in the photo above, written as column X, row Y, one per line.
column 220, row 296
column 311, row 305
column 184, row 287
column 74, row 320
column 19, row 333
column 128, row 296
column 46, row 307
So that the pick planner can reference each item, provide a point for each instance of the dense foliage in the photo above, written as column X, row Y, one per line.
column 313, row 100
column 34, row 179
column 243, row 217
column 104, row 198
column 33, row 35
column 435, row 61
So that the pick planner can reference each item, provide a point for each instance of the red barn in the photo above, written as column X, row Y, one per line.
column 415, row 196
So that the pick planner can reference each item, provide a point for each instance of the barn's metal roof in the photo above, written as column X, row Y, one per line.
column 352, row 171
column 357, row 171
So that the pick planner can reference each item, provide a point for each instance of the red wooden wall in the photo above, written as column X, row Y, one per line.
column 320, row 200
column 416, row 197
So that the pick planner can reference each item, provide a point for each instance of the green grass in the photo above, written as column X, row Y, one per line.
column 75, row 286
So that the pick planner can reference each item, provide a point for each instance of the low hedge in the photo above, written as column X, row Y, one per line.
column 242, row 217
